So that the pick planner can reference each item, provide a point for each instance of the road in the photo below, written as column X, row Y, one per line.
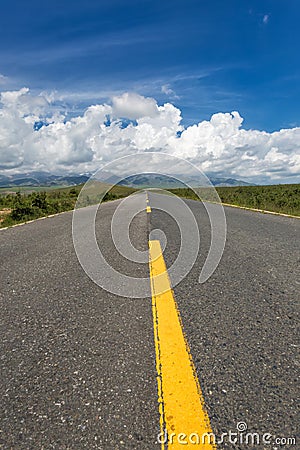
column 78, row 363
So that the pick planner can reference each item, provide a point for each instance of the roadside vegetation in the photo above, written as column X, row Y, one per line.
column 281, row 198
column 17, row 207
column 28, row 204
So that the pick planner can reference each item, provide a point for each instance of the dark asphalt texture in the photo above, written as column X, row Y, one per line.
column 78, row 363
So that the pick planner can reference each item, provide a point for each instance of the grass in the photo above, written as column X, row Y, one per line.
column 29, row 189
column 21, row 206
column 281, row 198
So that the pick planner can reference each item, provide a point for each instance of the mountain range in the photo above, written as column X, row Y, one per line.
column 41, row 179
column 138, row 181
column 163, row 181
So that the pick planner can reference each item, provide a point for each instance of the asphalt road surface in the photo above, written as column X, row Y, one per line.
column 78, row 362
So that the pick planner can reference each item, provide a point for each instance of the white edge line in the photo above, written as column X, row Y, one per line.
column 263, row 211
column 35, row 220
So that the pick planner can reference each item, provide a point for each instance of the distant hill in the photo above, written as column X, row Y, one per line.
column 137, row 181
column 168, row 182
column 41, row 179
column 229, row 182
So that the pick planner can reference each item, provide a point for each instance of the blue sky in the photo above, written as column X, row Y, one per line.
column 203, row 56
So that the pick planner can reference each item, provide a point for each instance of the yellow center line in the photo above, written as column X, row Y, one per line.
column 184, row 422
column 148, row 209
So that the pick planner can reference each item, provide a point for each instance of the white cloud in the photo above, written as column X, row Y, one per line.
column 3, row 79
column 134, row 106
column 84, row 143
column 23, row 102
column 166, row 89
column 266, row 19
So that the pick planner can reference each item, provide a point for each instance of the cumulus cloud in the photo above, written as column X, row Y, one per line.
column 134, row 106
column 84, row 143
column 23, row 102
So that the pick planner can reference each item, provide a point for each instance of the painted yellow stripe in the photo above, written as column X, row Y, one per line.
column 183, row 418
column 148, row 209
